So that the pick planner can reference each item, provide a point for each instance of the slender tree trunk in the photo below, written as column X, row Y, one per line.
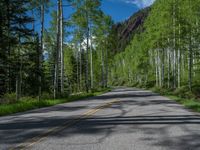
column 156, row 67
column 163, row 67
column 19, row 81
column 190, row 66
column 56, row 74
column 87, row 55
column 103, row 67
column 55, row 80
column 183, row 61
column 159, row 69
column 77, row 70
column 179, row 48
column 17, row 87
column 169, row 68
column 80, row 57
column 179, row 65
column 106, row 80
column 174, row 69
column 41, row 52
column 190, row 69
column 61, row 47
column 18, row 77
column 9, row 45
column 174, row 53
column 91, row 61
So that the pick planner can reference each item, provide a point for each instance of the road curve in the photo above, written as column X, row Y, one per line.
column 123, row 119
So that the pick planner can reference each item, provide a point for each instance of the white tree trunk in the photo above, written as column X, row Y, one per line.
column 179, row 59
column 61, row 48
column 91, row 61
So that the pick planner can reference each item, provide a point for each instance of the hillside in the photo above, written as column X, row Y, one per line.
column 125, row 30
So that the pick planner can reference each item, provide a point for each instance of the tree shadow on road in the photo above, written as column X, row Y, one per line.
column 154, row 128
column 105, row 126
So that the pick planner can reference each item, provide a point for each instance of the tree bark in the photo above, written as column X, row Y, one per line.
column 103, row 67
column 169, row 68
column 174, row 51
column 61, row 47
column 190, row 69
column 106, row 80
column 163, row 68
column 156, row 68
column 91, row 61
column 80, row 57
column 56, row 76
column 41, row 52
column 87, row 54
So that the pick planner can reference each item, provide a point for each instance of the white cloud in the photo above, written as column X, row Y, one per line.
column 139, row 3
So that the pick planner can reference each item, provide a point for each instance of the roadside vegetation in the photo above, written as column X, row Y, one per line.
column 190, row 99
column 165, row 54
column 43, row 61
column 10, row 106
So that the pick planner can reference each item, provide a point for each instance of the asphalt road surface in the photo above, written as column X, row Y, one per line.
column 123, row 119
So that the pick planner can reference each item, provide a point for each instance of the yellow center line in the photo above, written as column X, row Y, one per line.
column 37, row 139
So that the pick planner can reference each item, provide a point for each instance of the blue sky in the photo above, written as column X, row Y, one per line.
column 119, row 10
column 123, row 9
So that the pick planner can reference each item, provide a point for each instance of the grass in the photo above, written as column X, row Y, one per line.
column 25, row 105
column 192, row 104
column 181, row 97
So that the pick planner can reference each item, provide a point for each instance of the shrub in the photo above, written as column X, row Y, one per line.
column 150, row 84
column 27, row 98
column 46, row 95
column 9, row 98
column 196, row 91
column 184, row 92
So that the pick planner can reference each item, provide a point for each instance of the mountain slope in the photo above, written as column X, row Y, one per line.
column 125, row 31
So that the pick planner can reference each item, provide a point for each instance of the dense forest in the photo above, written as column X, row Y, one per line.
column 87, row 51
column 69, row 56
column 166, row 53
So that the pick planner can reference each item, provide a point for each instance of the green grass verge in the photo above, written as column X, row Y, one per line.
column 190, row 103
column 21, row 106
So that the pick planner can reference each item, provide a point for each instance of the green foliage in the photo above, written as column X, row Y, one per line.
column 165, row 54
column 15, row 37
column 8, row 98
column 182, row 96
column 184, row 92
column 188, row 103
column 46, row 95
column 196, row 91
column 28, row 103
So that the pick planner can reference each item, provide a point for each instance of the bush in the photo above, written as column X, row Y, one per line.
column 196, row 91
column 64, row 95
column 46, row 95
column 27, row 98
column 9, row 98
column 150, row 84
column 162, row 91
column 184, row 92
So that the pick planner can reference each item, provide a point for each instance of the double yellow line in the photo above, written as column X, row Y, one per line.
column 28, row 143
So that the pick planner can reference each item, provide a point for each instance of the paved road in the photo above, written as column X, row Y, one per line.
column 124, row 119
